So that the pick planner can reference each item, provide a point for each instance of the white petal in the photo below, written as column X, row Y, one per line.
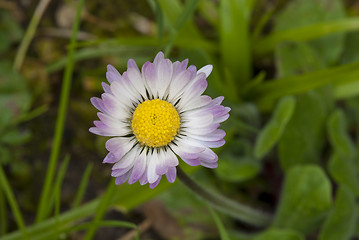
column 179, row 82
column 128, row 159
column 206, row 70
column 195, row 103
column 164, row 75
column 139, row 168
column 152, row 176
column 149, row 74
column 136, row 80
column 119, row 146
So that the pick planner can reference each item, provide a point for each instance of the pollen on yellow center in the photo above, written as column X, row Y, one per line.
column 155, row 123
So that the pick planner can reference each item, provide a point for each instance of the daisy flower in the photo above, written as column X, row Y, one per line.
column 155, row 116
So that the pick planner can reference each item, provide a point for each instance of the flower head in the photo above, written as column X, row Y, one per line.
column 156, row 115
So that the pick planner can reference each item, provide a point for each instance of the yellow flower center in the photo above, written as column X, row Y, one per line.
column 155, row 123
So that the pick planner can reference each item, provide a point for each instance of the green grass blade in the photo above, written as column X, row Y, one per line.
column 98, row 51
column 209, row 11
column 64, row 220
column 303, row 34
column 126, row 196
column 186, row 13
column 222, row 230
column 84, row 226
column 57, row 191
column 172, row 10
column 159, row 19
column 83, row 185
column 3, row 216
column 273, row 89
column 30, row 32
column 234, row 39
column 105, row 202
column 13, row 204
column 60, row 121
column 57, row 187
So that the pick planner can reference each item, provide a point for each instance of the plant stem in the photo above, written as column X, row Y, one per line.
column 225, row 205
column 4, row 184
column 30, row 32
column 60, row 121
column 105, row 203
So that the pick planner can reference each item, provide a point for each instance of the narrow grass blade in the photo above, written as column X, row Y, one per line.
column 84, row 226
column 222, row 230
column 30, row 32
column 172, row 10
column 3, row 212
column 83, row 185
column 56, row 193
column 5, row 186
column 273, row 89
column 186, row 13
column 303, row 34
column 159, row 19
column 60, row 121
column 98, row 51
column 105, row 203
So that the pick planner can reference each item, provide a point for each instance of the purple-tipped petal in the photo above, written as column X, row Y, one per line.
column 171, row 174
column 112, row 74
column 160, row 56
column 153, row 185
column 132, row 64
column 110, row 158
column 122, row 179
column 164, row 75
column 138, row 169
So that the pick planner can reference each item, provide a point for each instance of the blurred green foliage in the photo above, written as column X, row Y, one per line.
column 289, row 70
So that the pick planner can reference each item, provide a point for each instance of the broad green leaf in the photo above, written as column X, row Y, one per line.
column 280, row 234
column 338, row 135
column 237, row 170
column 271, row 133
column 14, row 97
column 340, row 224
column 344, row 171
column 238, row 164
column 234, row 39
column 306, row 199
column 5, row 155
column 10, row 30
column 288, row 63
column 15, row 137
column 303, row 137
column 300, row 13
